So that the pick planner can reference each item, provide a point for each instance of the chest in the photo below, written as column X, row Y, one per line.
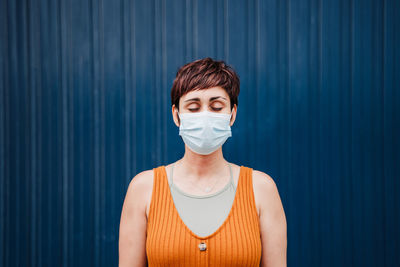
column 237, row 242
column 254, row 187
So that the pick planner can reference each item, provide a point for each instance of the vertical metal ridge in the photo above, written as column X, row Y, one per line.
column 47, row 127
column 380, row 58
column 127, row 68
column 383, row 86
column 32, row 136
column 102, row 140
column 215, row 33
column 96, row 132
column 314, row 51
column 391, row 131
column 2, row 142
column 149, row 132
column 252, row 14
column 7, row 149
column 226, row 30
column 37, row 136
column 25, row 164
column 133, row 73
column 188, row 29
column 248, row 70
column 353, row 185
column 320, row 117
column 140, row 110
column 125, row 57
column 64, row 68
column 158, row 80
column 257, row 71
column 14, row 109
column 286, row 127
column 195, row 29
column 287, row 88
column 219, row 32
column 4, row 135
column 70, row 120
column 67, row 133
column 319, row 146
column 164, row 83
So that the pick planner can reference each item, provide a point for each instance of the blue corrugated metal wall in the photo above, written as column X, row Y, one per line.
column 85, row 106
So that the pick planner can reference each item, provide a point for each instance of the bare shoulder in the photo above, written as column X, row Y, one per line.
column 273, row 227
column 133, row 223
column 140, row 189
column 263, row 180
column 265, row 191
column 142, row 179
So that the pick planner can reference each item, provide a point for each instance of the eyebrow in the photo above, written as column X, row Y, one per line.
column 211, row 98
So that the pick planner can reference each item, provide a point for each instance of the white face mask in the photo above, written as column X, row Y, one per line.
column 204, row 132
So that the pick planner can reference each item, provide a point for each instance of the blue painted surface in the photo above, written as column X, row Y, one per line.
column 84, row 106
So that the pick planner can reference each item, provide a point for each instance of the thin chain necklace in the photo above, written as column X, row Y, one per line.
column 207, row 188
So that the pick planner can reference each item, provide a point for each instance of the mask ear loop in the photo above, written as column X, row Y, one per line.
column 179, row 119
column 230, row 118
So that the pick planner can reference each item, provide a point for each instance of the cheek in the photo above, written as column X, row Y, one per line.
column 227, row 108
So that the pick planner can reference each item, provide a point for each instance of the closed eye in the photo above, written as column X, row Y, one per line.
column 196, row 109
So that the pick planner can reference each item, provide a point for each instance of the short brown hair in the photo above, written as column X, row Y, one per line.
column 203, row 74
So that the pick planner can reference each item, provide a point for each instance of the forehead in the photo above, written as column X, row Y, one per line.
column 205, row 94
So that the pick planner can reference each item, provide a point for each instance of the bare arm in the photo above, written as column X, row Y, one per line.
column 272, row 222
column 133, row 224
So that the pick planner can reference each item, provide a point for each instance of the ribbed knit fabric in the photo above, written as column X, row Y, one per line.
column 237, row 242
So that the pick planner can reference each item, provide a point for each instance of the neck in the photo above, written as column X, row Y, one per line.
column 203, row 165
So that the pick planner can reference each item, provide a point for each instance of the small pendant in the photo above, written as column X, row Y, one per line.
column 202, row 246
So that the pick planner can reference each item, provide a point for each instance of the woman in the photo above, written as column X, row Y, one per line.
column 203, row 210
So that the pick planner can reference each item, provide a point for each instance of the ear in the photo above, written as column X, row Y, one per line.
column 234, row 112
column 175, row 116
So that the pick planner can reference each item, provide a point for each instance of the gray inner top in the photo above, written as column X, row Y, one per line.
column 203, row 215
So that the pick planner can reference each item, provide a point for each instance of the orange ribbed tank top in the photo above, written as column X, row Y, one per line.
column 237, row 242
